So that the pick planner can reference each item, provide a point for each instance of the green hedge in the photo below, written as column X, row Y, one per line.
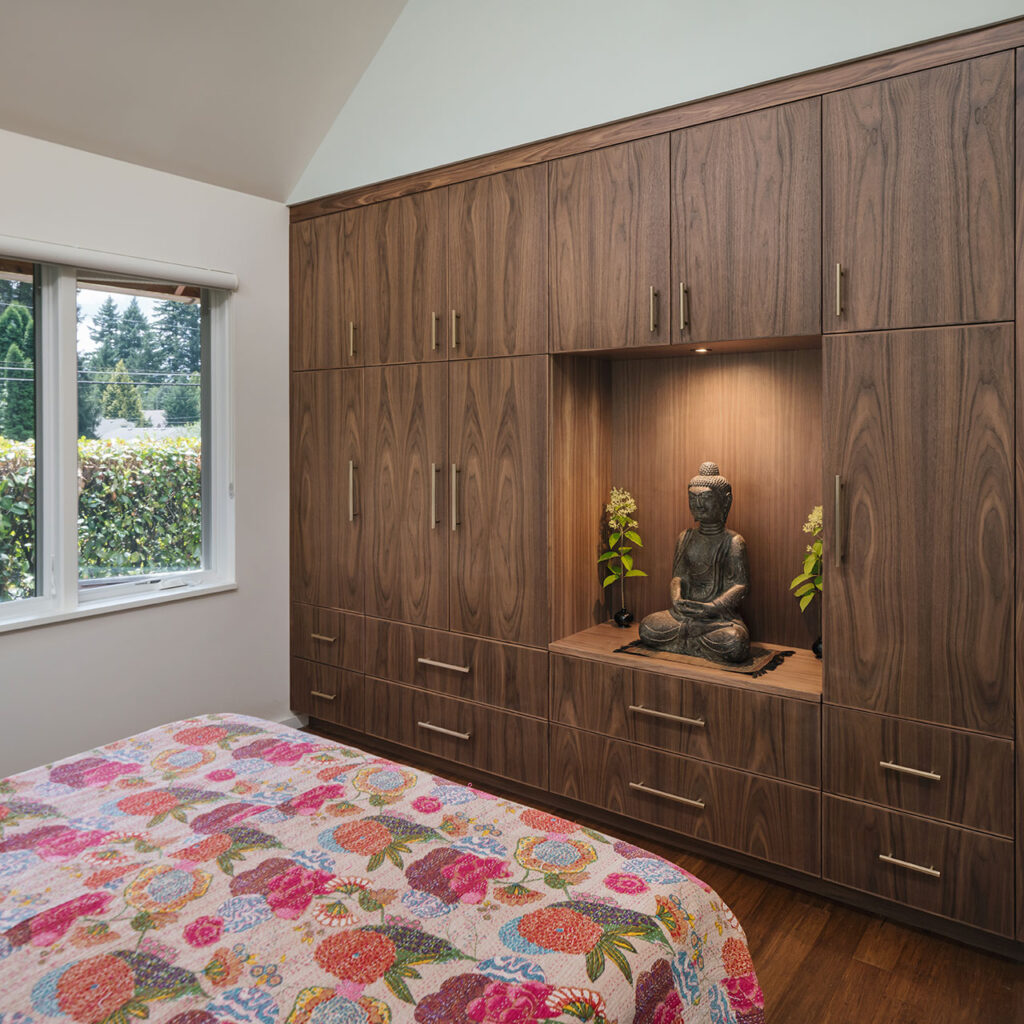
column 138, row 509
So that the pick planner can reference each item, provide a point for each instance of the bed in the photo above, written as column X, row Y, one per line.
column 225, row 869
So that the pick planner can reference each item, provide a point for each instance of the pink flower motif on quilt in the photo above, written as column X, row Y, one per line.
column 503, row 1002
column 468, row 876
column 69, row 843
column 204, row 931
column 628, row 885
column 312, row 800
column 744, row 993
column 274, row 751
column 427, row 804
column 289, row 894
column 50, row 925
column 670, row 1010
column 90, row 771
column 220, row 775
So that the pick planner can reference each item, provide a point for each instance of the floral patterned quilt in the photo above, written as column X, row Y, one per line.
column 226, row 870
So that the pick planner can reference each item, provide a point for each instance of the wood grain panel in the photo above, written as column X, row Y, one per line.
column 609, row 242
column 315, row 294
column 326, row 434
column 327, row 693
column 405, row 557
column 918, row 618
column 498, row 420
column 918, row 198
column 1019, row 468
column 404, row 278
column 756, row 816
column 512, row 746
column 767, row 735
column 580, row 466
column 498, row 264
column 591, row 696
column 875, row 67
column 758, row 416
column 746, row 222
column 328, row 636
column 975, row 787
column 976, row 870
column 503, row 675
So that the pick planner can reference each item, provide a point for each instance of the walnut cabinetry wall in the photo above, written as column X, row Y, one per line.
column 472, row 369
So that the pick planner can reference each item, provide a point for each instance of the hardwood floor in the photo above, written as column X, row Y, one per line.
column 821, row 962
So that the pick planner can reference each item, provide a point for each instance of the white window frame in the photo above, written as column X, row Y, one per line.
column 60, row 594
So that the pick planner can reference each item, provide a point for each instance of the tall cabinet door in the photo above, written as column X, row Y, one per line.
column 918, row 612
column 404, row 278
column 609, row 244
column 498, row 264
column 327, row 480
column 498, row 478
column 406, row 552
column 746, row 225
column 315, row 302
column 918, row 199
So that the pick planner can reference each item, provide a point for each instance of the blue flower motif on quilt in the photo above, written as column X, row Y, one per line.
column 6, row 949
column 339, row 1010
column 509, row 935
column 52, row 789
column 272, row 816
column 16, row 1018
column 111, row 811
column 485, row 846
column 246, row 1006
column 719, row 1007
column 650, row 869
column 16, row 862
column 44, row 992
column 451, row 795
column 424, row 905
column 312, row 859
column 513, row 969
column 241, row 913
column 101, row 823
column 249, row 766
column 687, row 978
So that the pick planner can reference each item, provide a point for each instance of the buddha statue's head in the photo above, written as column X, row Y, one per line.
column 710, row 496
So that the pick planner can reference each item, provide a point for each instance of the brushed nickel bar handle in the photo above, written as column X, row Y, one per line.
column 443, row 664
column 433, row 495
column 321, row 695
column 443, row 731
column 639, row 709
column 433, row 331
column 351, row 339
column 916, row 772
column 455, row 497
column 654, row 308
column 839, row 289
column 684, row 307
column 640, row 787
column 909, row 865
column 351, row 490
column 323, row 639
column 837, row 540
column 455, row 334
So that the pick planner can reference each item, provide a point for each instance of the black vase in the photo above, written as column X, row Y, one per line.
column 623, row 617
column 816, row 648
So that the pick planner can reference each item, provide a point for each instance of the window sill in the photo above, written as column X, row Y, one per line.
column 115, row 604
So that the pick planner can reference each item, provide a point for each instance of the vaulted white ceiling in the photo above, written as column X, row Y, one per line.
column 237, row 93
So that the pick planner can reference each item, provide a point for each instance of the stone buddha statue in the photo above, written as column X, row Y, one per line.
column 710, row 578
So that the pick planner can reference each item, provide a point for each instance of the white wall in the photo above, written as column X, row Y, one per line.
column 458, row 78
column 72, row 685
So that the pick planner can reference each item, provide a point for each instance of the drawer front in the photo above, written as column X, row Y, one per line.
column 512, row 746
column 958, row 777
column 328, row 693
column 760, row 817
column 727, row 725
column 946, row 870
column 331, row 637
column 502, row 675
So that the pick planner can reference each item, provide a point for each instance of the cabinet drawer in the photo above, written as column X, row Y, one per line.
column 512, row 746
column 332, row 637
column 504, row 675
column 959, row 777
column 760, row 817
column 945, row 870
column 330, row 694
column 728, row 725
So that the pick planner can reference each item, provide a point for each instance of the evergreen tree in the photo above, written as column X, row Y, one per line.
column 90, row 399
column 106, row 324
column 17, row 328
column 135, row 339
column 180, row 402
column 19, row 419
column 21, row 292
column 121, row 397
column 176, row 330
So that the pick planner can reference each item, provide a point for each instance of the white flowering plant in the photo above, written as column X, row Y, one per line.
column 807, row 585
column 622, row 538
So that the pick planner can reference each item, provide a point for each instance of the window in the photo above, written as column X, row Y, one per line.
column 114, row 445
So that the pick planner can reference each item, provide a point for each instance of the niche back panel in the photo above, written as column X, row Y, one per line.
column 758, row 415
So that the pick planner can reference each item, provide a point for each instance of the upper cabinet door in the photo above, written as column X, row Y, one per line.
column 402, row 254
column 327, row 479
column 498, row 480
column 609, row 244
column 498, row 265
column 918, row 614
column 405, row 557
column 746, row 226
column 918, row 199
column 315, row 301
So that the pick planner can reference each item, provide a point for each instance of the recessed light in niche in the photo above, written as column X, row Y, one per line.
column 702, row 351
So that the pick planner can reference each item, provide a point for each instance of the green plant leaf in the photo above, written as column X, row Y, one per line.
column 610, row 579
column 635, row 538
column 818, row 580
column 636, row 572
column 809, row 563
column 806, row 600
column 614, row 539
column 627, row 562
column 607, row 555
column 797, row 580
column 807, row 588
